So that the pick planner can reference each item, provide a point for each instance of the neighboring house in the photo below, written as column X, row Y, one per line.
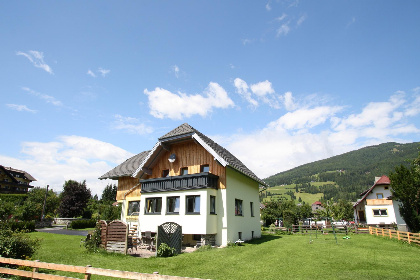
column 14, row 181
column 376, row 206
column 316, row 206
column 189, row 179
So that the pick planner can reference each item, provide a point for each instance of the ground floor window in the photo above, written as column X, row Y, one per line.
column 380, row 212
column 192, row 204
column 212, row 204
column 251, row 205
column 172, row 205
column 238, row 207
column 153, row 205
column 133, row 208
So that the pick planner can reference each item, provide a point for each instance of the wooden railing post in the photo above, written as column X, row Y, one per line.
column 34, row 270
column 408, row 237
column 398, row 234
column 87, row 275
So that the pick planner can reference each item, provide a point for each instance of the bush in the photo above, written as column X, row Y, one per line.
column 19, row 226
column 17, row 245
column 165, row 251
column 79, row 224
column 93, row 241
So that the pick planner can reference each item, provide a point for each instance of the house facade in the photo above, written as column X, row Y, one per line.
column 189, row 179
column 376, row 207
column 14, row 181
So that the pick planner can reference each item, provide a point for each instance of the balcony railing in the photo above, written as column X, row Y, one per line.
column 185, row 182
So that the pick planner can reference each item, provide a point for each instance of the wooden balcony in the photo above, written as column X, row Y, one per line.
column 382, row 201
column 175, row 183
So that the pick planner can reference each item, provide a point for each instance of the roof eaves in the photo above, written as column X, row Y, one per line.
column 210, row 150
column 139, row 169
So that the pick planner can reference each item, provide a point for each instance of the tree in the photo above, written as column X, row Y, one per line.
column 405, row 186
column 74, row 199
column 109, row 194
column 342, row 210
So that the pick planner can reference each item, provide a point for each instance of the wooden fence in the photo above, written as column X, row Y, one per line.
column 87, row 271
column 400, row 235
column 306, row 229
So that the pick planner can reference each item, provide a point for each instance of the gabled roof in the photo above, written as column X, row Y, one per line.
column 23, row 173
column 127, row 168
column 317, row 203
column 185, row 131
column 384, row 180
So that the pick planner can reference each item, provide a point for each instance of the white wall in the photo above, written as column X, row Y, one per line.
column 389, row 219
column 191, row 224
column 241, row 187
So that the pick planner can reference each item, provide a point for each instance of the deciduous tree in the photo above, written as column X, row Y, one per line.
column 74, row 199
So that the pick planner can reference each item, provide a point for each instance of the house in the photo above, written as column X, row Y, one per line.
column 14, row 181
column 190, row 180
column 317, row 206
column 376, row 207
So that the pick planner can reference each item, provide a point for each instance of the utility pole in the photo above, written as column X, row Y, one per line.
column 45, row 200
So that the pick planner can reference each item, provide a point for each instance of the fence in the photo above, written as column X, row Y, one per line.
column 87, row 271
column 306, row 229
column 400, row 235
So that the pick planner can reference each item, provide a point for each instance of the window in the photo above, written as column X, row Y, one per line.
column 184, row 171
column 252, row 234
column 380, row 212
column 238, row 207
column 192, row 204
column 204, row 168
column 386, row 187
column 165, row 173
column 153, row 205
column 172, row 205
column 240, row 235
column 379, row 195
column 212, row 204
column 251, row 204
column 133, row 208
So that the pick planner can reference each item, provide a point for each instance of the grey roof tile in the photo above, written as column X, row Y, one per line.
column 127, row 168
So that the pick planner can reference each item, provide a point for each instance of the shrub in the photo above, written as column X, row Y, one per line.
column 78, row 224
column 17, row 245
column 205, row 248
column 27, row 226
column 93, row 241
column 165, row 251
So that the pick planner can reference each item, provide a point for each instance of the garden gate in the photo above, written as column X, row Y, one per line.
column 116, row 238
column 171, row 234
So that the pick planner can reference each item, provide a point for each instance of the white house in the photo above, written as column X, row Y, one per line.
column 376, row 206
column 189, row 179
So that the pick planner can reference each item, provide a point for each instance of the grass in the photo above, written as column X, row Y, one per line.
column 306, row 197
column 271, row 257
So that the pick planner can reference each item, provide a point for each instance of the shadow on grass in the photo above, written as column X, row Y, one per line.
column 264, row 238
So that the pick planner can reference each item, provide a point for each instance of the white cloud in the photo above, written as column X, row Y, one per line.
column 261, row 91
column 283, row 30
column 104, row 72
column 268, row 6
column 37, row 60
column 312, row 133
column 175, row 68
column 131, row 125
column 70, row 157
column 289, row 102
column 165, row 104
column 247, row 41
column 301, row 20
column 20, row 108
column 47, row 98
column 90, row 73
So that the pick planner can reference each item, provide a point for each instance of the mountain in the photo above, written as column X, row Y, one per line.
column 352, row 172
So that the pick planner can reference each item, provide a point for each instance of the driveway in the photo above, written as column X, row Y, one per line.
column 63, row 230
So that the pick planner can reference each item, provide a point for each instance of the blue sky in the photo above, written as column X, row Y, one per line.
column 86, row 84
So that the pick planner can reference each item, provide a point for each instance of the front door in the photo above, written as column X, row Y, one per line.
column 361, row 215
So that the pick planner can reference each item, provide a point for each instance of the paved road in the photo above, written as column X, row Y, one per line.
column 61, row 230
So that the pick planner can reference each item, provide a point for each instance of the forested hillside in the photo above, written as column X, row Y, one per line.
column 353, row 172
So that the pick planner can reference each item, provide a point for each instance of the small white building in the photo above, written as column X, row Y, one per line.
column 376, row 206
column 190, row 180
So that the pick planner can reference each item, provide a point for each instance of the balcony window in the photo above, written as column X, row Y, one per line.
column 165, row 173
column 192, row 204
column 238, row 207
column 153, row 205
column 212, row 204
column 184, row 171
column 204, row 168
column 172, row 205
column 133, row 208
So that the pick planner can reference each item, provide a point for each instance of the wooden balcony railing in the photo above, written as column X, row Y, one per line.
column 185, row 182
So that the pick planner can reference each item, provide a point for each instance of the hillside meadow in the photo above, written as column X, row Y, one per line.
column 271, row 257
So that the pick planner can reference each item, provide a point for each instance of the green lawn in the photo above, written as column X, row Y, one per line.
column 306, row 197
column 271, row 257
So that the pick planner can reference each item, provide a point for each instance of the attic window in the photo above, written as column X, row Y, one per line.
column 165, row 173
column 379, row 195
column 386, row 187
